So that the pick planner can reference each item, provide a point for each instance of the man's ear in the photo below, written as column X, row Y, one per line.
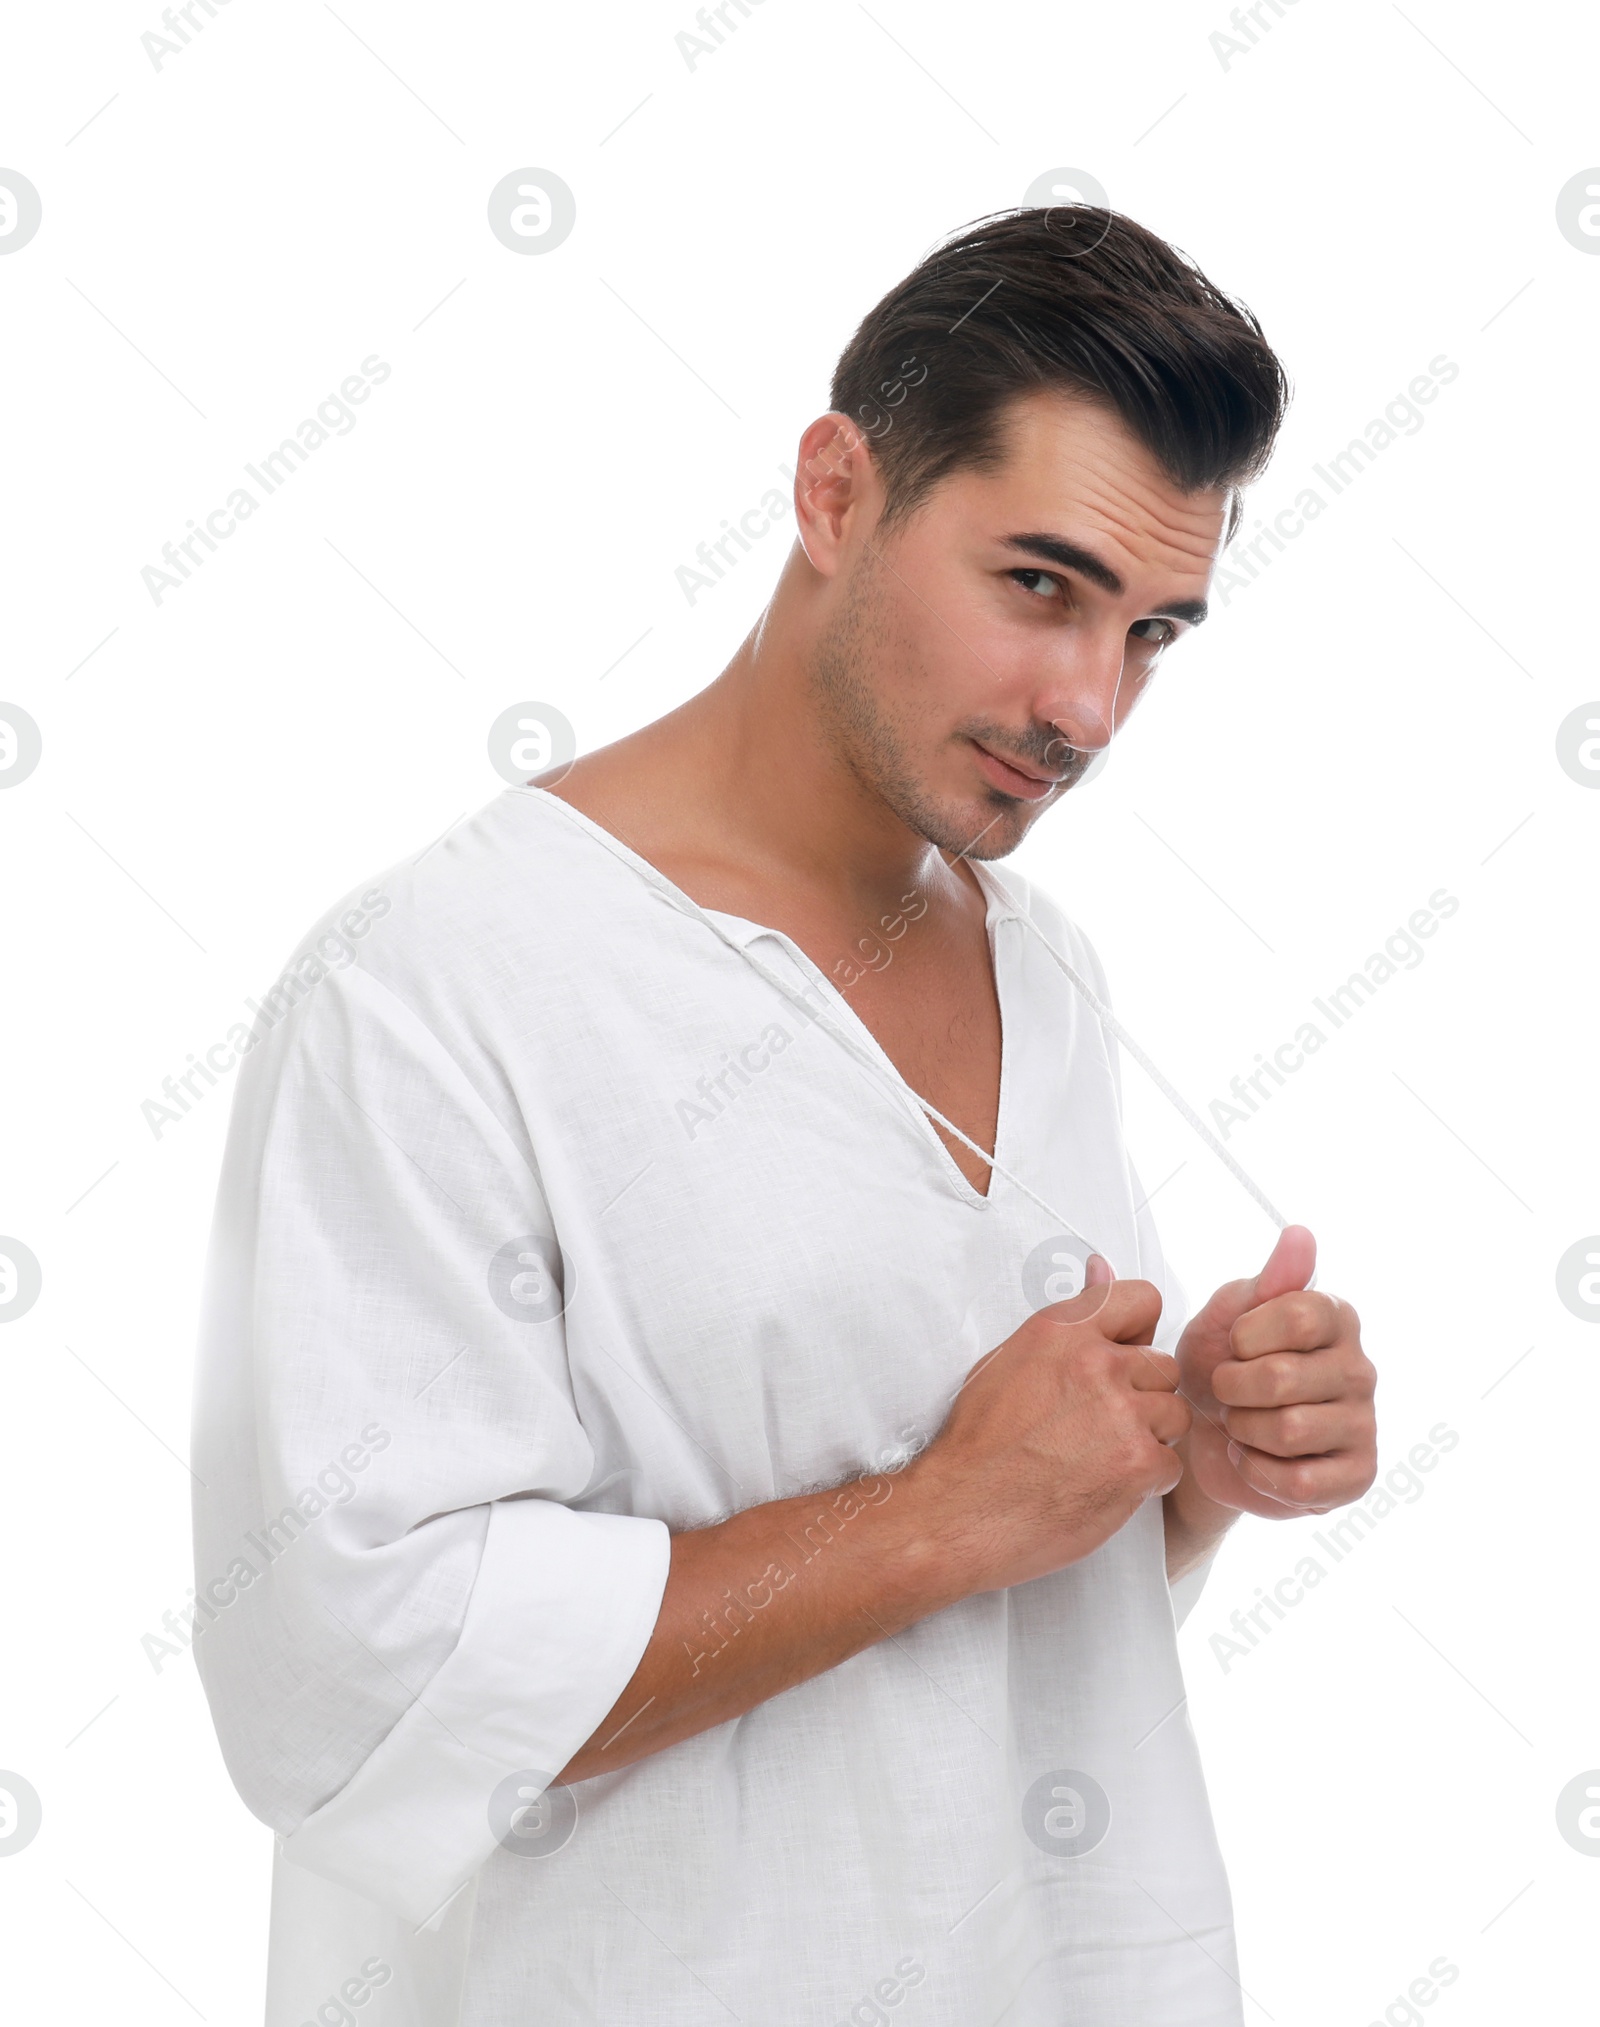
column 835, row 479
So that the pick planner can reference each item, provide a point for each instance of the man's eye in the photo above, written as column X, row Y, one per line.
column 1161, row 639
column 1040, row 582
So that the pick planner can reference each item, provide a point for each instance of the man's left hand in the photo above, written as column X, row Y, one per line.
column 1282, row 1392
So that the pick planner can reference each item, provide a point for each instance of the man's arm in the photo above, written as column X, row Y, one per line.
column 1055, row 1440
column 777, row 1594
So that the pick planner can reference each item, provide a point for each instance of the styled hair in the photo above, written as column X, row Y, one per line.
column 1071, row 297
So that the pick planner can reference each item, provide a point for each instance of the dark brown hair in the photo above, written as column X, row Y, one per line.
column 1073, row 297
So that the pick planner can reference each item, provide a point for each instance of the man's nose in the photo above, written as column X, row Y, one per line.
column 1082, row 702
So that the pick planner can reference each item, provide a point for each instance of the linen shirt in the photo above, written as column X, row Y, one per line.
column 557, row 1215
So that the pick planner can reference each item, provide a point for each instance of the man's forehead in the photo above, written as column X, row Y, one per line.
column 1073, row 466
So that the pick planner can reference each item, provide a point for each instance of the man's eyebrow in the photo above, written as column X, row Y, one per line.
column 1073, row 556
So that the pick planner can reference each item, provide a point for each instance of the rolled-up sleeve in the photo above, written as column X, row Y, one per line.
column 399, row 1599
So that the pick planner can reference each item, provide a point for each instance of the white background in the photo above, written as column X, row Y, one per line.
column 231, row 234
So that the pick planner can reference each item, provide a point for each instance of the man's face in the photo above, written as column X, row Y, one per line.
column 977, row 658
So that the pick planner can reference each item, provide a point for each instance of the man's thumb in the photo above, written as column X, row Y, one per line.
column 1290, row 1265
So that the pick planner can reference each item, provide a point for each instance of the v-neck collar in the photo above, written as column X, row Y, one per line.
column 1001, row 907
column 1001, row 903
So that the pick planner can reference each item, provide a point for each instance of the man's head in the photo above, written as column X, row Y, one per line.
column 1014, row 506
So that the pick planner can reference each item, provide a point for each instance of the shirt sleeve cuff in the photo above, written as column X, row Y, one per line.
column 561, row 1611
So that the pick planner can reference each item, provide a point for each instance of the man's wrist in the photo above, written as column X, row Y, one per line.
column 1194, row 1525
column 933, row 1557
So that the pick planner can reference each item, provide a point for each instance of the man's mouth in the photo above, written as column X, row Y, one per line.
column 1028, row 784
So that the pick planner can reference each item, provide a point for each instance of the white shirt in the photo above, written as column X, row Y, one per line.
column 530, row 1068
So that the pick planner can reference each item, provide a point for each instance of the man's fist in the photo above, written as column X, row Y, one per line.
column 1282, row 1392
column 1056, row 1438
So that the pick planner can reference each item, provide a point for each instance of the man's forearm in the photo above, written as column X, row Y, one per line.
column 777, row 1594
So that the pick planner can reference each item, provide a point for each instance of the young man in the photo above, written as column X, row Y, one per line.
column 687, row 1532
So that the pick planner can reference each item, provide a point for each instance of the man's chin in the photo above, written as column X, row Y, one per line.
column 990, row 826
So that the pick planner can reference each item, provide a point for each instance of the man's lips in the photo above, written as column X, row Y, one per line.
column 1026, row 783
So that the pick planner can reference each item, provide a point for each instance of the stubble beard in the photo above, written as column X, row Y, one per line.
column 872, row 742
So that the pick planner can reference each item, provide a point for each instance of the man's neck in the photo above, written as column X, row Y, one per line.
column 739, row 790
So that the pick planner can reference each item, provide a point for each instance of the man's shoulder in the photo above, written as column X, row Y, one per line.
column 514, row 886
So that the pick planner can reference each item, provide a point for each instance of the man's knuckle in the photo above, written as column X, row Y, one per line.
column 1294, row 1426
column 1130, row 1451
column 1293, row 1480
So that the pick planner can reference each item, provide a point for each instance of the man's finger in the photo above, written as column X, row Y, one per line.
column 1151, row 1371
column 1280, row 1378
column 1168, row 1417
column 1301, row 1320
column 1126, row 1311
column 1306, row 1431
column 1311, row 1484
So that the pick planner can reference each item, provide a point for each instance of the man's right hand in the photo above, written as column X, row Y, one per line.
column 1053, row 1442
column 1055, row 1439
